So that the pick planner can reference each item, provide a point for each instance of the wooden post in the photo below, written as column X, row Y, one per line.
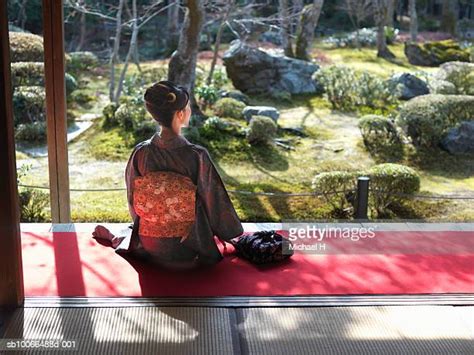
column 54, row 69
column 362, row 197
column 11, row 272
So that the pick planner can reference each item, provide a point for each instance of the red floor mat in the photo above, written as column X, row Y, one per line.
column 70, row 264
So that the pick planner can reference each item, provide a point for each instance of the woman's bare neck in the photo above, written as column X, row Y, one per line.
column 167, row 133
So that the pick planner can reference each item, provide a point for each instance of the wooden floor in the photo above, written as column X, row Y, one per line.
column 423, row 324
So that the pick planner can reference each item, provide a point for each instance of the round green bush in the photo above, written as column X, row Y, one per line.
column 26, row 47
column 82, row 61
column 442, row 87
column 27, row 74
column 124, row 116
column 378, row 132
column 109, row 115
column 427, row 118
column 347, row 89
column 82, row 97
column 460, row 74
column 262, row 130
column 130, row 117
column 229, row 107
column 29, row 104
column 390, row 183
column 31, row 132
column 71, row 84
column 334, row 185
column 212, row 127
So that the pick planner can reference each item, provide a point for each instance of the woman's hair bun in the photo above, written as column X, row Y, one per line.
column 163, row 99
column 171, row 97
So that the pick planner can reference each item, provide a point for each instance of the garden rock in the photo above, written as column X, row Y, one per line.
column 268, row 111
column 433, row 54
column 460, row 139
column 271, row 37
column 254, row 71
column 409, row 85
column 237, row 95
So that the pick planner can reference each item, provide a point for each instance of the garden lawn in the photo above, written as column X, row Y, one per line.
column 333, row 142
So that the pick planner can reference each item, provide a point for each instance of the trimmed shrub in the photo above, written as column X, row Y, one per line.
column 71, row 84
column 82, row 61
column 33, row 205
column 29, row 104
column 373, row 91
column 31, row 132
column 27, row 74
column 442, row 87
column 129, row 116
column 334, row 186
column 346, row 89
column 391, row 183
column 26, row 47
column 460, row 74
column 262, row 130
column 426, row 119
column 82, row 97
column 378, row 133
column 109, row 115
column 229, row 107
column 32, row 74
column 32, row 202
column 212, row 127
column 339, row 86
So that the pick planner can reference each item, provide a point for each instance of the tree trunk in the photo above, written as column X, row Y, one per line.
column 380, row 16
column 448, row 18
column 230, row 6
column 413, row 21
column 113, row 57
column 131, row 51
column 308, row 23
column 82, row 27
column 22, row 15
column 284, row 28
column 390, row 12
column 182, row 65
column 297, row 8
column 173, row 30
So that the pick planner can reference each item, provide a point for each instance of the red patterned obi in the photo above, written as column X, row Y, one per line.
column 165, row 203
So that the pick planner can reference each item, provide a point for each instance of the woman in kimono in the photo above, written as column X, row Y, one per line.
column 187, row 164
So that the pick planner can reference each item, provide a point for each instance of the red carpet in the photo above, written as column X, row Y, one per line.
column 70, row 264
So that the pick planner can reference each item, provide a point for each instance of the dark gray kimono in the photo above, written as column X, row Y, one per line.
column 215, row 214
